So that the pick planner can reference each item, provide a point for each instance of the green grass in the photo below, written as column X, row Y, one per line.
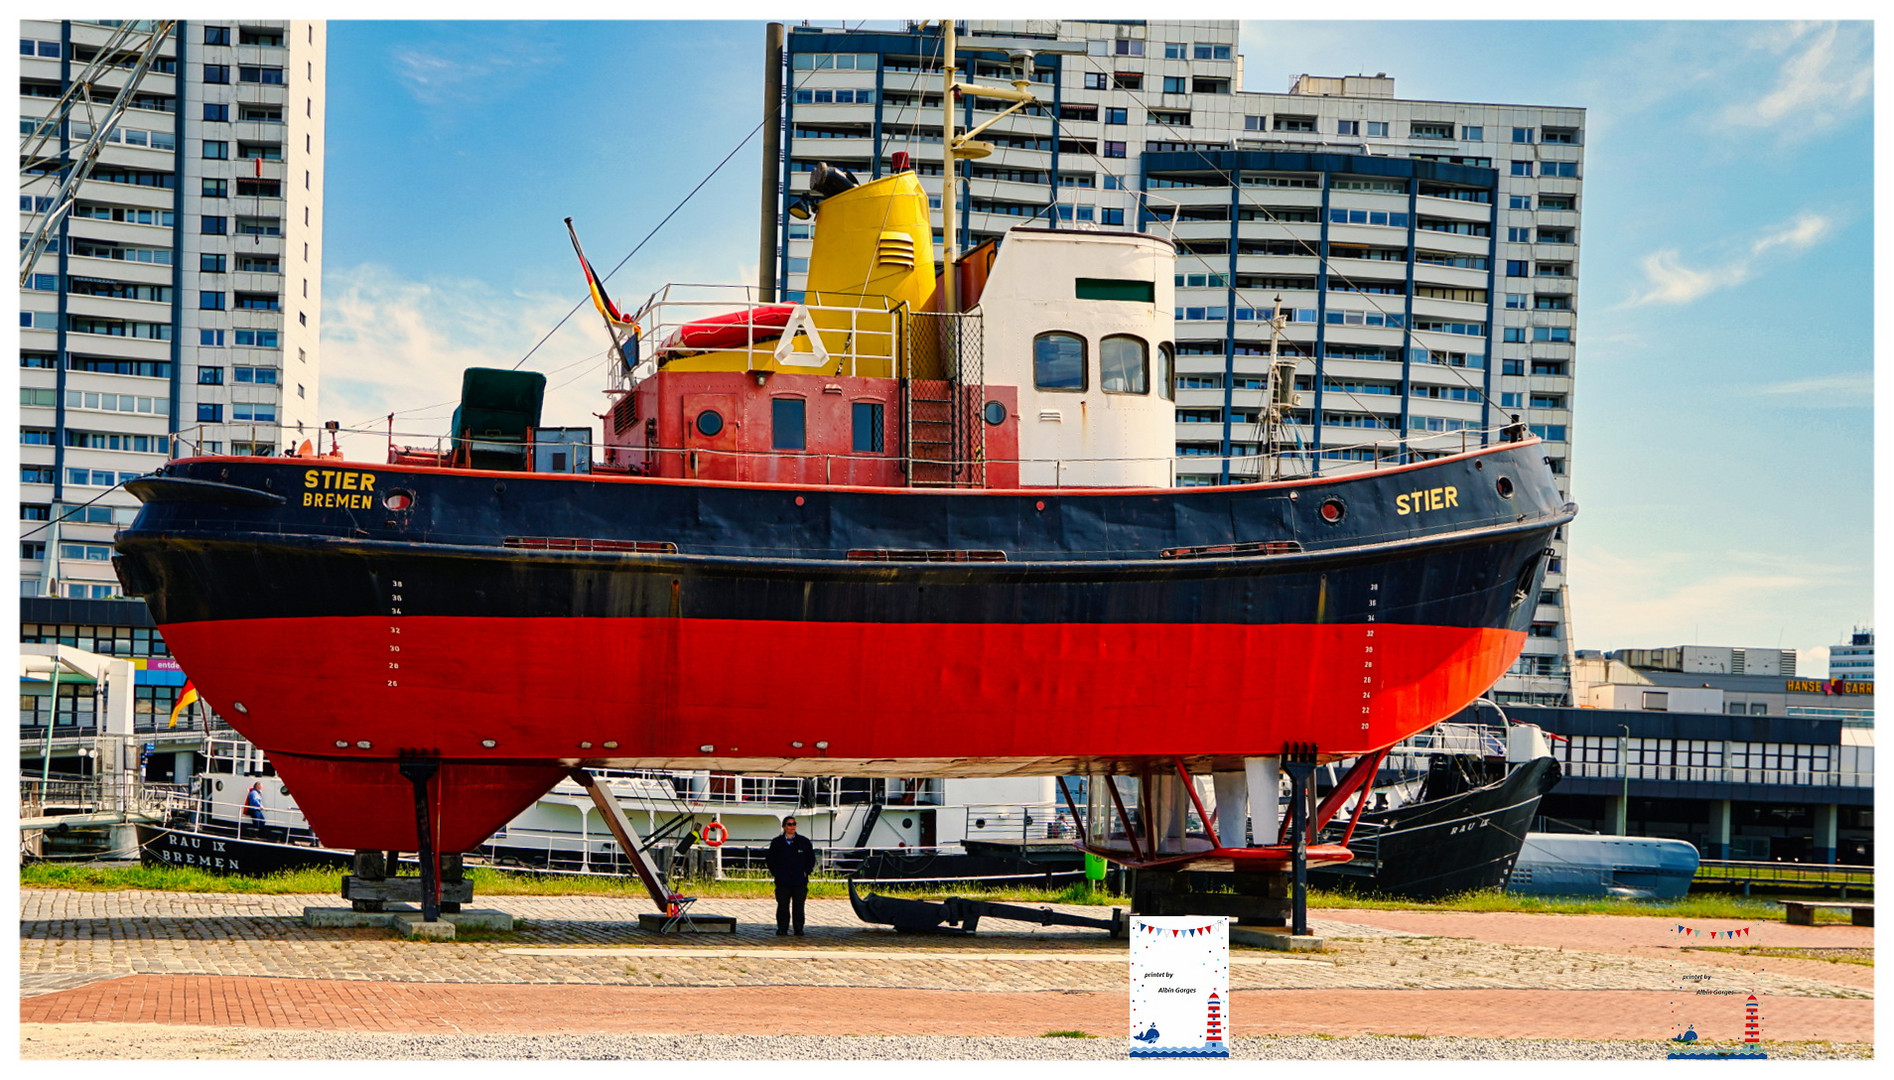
column 495, row 883
column 174, row 879
column 1068, row 1035
column 1704, row 906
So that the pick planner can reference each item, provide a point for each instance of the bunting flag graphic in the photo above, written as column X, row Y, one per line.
column 599, row 300
column 1692, row 931
column 184, row 700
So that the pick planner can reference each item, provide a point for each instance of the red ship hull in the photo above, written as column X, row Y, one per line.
column 651, row 691
column 507, row 626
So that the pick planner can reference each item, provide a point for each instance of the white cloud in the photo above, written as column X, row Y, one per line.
column 459, row 75
column 1655, row 599
column 396, row 345
column 1848, row 390
column 1806, row 230
column 1668, row 281
column 1828, row 73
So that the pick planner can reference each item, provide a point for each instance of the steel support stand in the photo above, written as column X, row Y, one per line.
column 1301, row 768
column 419, row 773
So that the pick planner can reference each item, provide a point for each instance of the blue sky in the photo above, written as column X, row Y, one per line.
column 1724, row 423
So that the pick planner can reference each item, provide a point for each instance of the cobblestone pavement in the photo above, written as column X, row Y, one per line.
column 212, row 959
column 588, row 940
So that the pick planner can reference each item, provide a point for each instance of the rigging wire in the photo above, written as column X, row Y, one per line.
column 621, row 263
column 1326, row 261
column 71, row 510
column 1140, row 196
column 647, row 239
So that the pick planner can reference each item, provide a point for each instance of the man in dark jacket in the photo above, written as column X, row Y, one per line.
column 791, row 860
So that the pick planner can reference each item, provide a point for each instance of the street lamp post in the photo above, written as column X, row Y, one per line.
column 1624, row 775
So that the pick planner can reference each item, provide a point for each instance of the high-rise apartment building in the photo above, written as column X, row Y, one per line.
column 178, row 297
column 1423, row 255
column 1853, row 660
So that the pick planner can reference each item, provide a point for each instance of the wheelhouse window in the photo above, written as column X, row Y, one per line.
column 1167, row 371
column 1058, row 361
column 870, row 434
column 1124, row 365
column 787, row 426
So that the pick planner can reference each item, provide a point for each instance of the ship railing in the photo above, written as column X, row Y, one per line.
column 563, row 852
column 1017, row 821
column 75, row 796
column 864, row 337
column 1816, row 778
column 700, row 790
column 1390, row 450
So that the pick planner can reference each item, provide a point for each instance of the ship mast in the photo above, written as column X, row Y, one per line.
column 1282, row 396
column 949, row 191
column 954, row 147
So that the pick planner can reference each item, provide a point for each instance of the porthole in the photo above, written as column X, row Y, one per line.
column 710, row 423
column 1333, row 510
column 907, row 823
column 1504, row 485
column 995, row 413
column 398, row 499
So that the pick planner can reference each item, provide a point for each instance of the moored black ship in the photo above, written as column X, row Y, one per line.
column 1460, row 830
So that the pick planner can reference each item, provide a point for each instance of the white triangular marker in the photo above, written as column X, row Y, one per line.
column 798, row 326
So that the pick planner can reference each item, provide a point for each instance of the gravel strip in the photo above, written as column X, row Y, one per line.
column 142, row 1041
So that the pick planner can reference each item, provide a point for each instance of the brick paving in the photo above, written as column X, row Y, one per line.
column 341, row 1005
column 208, row 959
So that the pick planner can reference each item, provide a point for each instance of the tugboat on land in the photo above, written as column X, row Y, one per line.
column 918, row 524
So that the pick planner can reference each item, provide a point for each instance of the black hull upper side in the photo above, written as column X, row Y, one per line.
column 1440, row 847
column 243, row 856
column 493, row 543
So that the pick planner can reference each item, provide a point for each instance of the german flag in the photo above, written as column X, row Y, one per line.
column 184, row 701
column 599, row 299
